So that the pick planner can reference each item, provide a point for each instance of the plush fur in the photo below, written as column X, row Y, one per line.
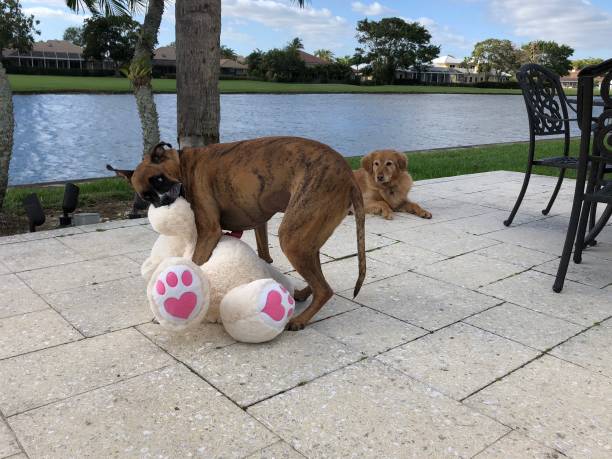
column 233, row 267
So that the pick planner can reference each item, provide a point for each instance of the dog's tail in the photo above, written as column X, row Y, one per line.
column 357, row 201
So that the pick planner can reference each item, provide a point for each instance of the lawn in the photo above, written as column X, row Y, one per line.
column 112, row 196
column 63, row 84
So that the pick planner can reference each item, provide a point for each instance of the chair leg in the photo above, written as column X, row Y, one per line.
column 582, row 226
column 521, row 195
column 555, row 192
column 599, row 226
column 592, row 221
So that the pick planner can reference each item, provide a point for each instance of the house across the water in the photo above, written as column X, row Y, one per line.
column 449, row 70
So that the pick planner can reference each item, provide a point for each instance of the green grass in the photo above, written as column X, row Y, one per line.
column 422, row 165
column 63, row 84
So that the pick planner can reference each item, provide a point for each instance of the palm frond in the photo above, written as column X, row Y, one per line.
column 107, row 7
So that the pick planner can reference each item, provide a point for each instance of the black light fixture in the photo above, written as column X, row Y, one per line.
column 71, row 202
column 34, row 211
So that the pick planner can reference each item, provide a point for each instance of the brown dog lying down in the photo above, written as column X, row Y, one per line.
column 385, row 184
column 241, row 185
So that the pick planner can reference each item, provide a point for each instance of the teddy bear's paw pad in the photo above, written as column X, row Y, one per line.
column 279, row 304
column 178, row 294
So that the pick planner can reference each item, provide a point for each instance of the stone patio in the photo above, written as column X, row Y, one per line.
column 456, row 346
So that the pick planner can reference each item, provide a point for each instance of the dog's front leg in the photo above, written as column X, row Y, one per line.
column 414, row 208
column 209, row 233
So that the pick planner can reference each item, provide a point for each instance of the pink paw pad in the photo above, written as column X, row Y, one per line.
column 177, row 296
column 279, row 304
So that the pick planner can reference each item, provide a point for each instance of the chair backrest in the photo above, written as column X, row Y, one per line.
column 544, row 99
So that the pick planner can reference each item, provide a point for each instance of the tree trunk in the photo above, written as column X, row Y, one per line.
column 198, row 29
column 143, row 91
column 7, row 124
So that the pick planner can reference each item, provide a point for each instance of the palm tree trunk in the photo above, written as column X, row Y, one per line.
column 143, row 91
column 198, row 29
column 7, row 124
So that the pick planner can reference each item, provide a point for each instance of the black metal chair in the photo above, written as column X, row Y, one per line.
column 547, row 113
column 598, row 155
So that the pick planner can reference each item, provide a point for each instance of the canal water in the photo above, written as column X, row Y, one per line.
column 62, row 137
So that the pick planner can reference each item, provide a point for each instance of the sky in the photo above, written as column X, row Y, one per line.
column 455, row 25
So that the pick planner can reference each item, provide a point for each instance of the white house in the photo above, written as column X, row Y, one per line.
column 448, row 70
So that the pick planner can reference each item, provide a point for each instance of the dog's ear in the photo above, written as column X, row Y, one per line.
column 366, row 163
column 402, row 161
column 158, row 152
column 126, row 174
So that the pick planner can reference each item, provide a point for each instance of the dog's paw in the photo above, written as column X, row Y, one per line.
column 178, row 295
column 425, row 214
column 388, row 216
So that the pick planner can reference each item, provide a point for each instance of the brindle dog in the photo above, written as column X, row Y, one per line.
column 241, row 185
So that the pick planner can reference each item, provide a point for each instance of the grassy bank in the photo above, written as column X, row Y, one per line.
column 112, row 197
column 25, row 84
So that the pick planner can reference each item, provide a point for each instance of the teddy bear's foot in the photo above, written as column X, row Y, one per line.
column 258, row 311
column 178, row 295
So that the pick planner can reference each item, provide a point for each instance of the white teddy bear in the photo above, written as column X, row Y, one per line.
column 251, row 298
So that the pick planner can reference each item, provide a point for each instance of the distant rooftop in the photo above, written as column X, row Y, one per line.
column 446, row 60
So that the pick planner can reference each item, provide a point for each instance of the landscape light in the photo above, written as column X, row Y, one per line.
column 71, row 202
column 34, row 211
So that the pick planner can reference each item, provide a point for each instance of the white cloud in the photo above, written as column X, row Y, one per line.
column 317, row 27
column 444, row 36
column 45, row 12
column 577, row 23
column 373, row 9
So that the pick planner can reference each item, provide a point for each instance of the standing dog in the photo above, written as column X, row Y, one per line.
column 385, row 184
column 241, row 185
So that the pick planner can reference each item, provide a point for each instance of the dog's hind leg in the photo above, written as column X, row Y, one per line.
column 261, row 236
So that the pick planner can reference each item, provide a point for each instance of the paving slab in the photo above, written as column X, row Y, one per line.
column 459, row 359
column 8, row 443
column 368, row 331
column 73, row 275
column 104, row 243
column 4, row 269
column 556, row 403
column 517, row 445
column 492, row 221
column 528, row 327
column 58, row 232
column 343, row 243
column 371, row 410
column 517, row 255
column 280, row 450
column 422, row 301
column 281, row 262
column 248, row 373
column 188, row 345
column 38, row 378
column 470, row 270
column 32, row 331
column 17, row 298
column 405, row 256
column 443, row 239
column 342, row 274
column 114, row 224
column 375, row 224
column 590, row 349
column 335, row 306
column 547, row 235
column 108, row 306
column 593, row 271
column 42, row 253
column 168, row 413
column 577, row 303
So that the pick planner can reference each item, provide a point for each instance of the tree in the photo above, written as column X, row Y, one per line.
column 198, row 43
column 296, row 44
column 111, row 37
column 345, row 60
column 550, row 54
column 493, row 55
column 324, row 54
column 393, row 43
column 582, row 63
column 74, row 35
column 228, row 53
column 17, row 31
